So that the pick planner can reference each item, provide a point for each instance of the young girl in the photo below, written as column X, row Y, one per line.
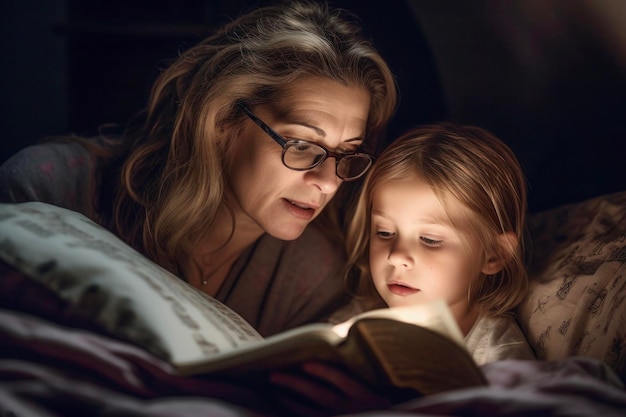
column 441, row 215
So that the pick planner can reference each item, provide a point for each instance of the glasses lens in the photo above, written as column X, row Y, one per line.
column 302, row 155
column 352, row 167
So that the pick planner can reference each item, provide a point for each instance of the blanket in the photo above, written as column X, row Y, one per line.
column 47, row 369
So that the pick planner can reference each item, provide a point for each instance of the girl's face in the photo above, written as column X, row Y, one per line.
column 278, row 200
column 415, row 253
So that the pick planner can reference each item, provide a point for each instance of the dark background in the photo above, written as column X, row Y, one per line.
column 546, row 76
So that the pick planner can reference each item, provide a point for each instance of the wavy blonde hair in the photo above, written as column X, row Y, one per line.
column 469, row 165
column 165, row 183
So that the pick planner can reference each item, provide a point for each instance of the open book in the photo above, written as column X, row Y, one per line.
column 419, row 348
column 103, row 280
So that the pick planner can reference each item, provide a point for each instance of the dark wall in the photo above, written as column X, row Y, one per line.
column 548, row 77
column 83, row 63
column 33, row 84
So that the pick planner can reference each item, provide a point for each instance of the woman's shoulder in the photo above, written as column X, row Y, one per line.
column 59, row 173
column 46, row 158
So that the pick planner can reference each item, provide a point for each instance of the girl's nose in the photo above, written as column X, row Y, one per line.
column 400, row 256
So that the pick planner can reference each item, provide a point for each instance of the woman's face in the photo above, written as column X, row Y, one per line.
column 279, row 200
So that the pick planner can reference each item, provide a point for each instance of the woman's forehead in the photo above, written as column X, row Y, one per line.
column 318, row 90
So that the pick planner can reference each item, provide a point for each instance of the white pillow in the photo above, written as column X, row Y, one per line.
column 92, row 278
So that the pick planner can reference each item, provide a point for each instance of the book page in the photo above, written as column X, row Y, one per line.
column 435, row 315
column 307, row 342
column 135, row 298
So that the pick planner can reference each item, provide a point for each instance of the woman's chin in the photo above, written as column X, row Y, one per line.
column 287, row 233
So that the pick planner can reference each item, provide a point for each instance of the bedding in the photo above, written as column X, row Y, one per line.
column 577, row 299
column 51, row 370
column 57, row 359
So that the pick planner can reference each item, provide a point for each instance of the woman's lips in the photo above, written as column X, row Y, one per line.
column 401, row 290
column 299, row 210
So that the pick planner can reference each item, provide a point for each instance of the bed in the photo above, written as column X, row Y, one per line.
column 56, row 360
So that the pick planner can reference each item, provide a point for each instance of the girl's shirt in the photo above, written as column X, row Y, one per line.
column 495, row 338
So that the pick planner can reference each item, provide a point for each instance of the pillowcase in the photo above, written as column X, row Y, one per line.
column 576, row 301
column 60, row 265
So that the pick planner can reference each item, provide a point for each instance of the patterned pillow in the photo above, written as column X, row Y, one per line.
column 60, row 265
column 575, row 306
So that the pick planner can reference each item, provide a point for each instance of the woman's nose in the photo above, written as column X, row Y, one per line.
column 325, row 176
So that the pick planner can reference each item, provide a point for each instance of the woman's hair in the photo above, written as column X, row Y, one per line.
column 166, row 181
column 471, row 166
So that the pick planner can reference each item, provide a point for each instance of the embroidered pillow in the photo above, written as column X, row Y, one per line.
column 576, row 303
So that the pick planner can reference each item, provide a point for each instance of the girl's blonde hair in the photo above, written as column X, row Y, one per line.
column 165, row 183
column 472, row 166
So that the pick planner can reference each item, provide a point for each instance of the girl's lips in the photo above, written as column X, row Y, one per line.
column 299, row 210
column 401, row 290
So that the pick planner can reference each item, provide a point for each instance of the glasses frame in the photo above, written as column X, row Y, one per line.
column 284, row 142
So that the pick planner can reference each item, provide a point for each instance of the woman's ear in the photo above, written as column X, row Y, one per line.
column 508, row 245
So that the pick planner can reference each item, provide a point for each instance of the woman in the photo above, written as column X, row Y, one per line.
column 246, row 138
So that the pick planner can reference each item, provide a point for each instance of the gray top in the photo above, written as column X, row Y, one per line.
column 275, row 285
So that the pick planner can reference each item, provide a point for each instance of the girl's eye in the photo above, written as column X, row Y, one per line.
column 431, row 242
column 384, row 234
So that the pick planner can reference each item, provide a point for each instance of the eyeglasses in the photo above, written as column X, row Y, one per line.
column 302, row 155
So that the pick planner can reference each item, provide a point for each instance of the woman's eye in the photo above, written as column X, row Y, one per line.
column 298, row 145
column 431, row 242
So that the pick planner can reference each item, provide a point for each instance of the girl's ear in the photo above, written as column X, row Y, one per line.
column 508, row 245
